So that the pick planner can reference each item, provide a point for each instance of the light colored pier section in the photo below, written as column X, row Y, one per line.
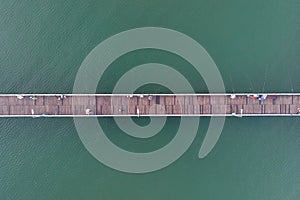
column 109, row 105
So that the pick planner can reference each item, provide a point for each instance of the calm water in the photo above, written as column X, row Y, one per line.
column 256, row 46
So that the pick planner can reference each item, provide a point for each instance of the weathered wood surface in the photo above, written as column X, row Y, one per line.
column 284, row 104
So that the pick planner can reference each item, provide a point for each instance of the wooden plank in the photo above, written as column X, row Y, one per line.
column 147, row 109
column 170, row 100
column 133, row 100
column 40, row 101
column 185, row 109
column 143, row 101
column 200, row 100
column 272, row 109
column 179, row 100
column 218, row 109
column 284, row 99
column 4, row 101
column 162, row 100
column 13, row 100
column 124, row 110
column 195, row 100
column 142, row 109
column 188, row 100
column 296, row 100
column 242, row 99
column 125, row 100
column 16, row 110
column 27, row 110
column 248, row 109
column 240, row 109
column 206, row 109
column 177, row 109
column 206, row 100
column 228, row 109
column 188, row 109
column 66, row 100
column 234, row 109
column 217, row 100
column 116, row 101
column 99, row 109
column 65, row 110
column 80, row 110
column 52, row 100
column 293, row 109
column 268, row 101
column 252, row 101
column 282, row 109
column 51, row 110
column 257, row 109
column 91, row 101
column 106, row 100
column 160, row 109
column 169, row 109
column 152, row 100
column 196, row 110
column 4, row 110
column 132, row 109
column 239, row 99
column 107, row 110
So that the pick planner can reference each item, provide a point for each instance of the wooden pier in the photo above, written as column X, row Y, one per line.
column 109, row 105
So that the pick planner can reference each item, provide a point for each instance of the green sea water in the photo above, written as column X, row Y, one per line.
column 256, row 46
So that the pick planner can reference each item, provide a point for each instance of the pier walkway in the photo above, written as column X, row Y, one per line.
column 108, row 105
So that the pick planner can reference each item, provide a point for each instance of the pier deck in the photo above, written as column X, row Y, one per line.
column 107, row 105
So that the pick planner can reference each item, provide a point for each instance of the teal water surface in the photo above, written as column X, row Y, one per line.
column 256, row 46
